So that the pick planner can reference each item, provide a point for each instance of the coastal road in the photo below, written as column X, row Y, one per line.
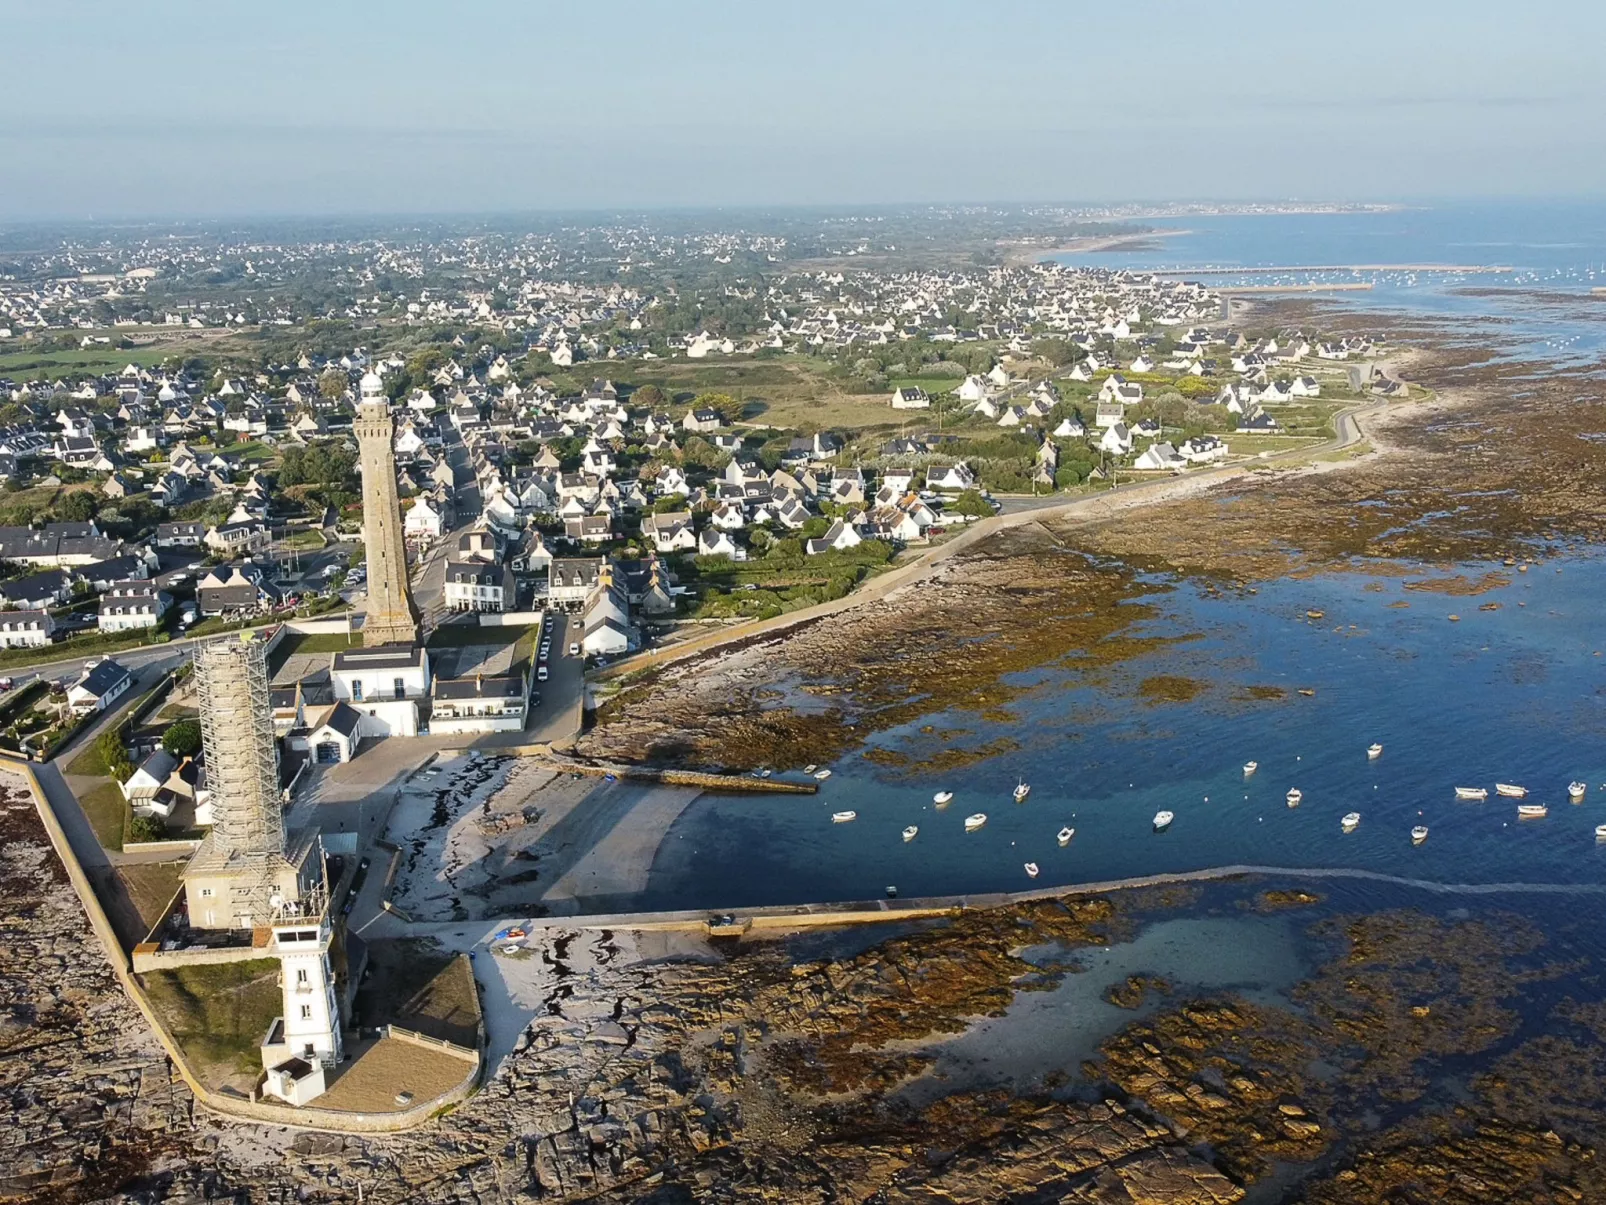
column 1347, row 427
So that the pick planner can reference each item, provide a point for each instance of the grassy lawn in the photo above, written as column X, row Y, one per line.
column 463, row 635
column 1254, row 445
column 413, row 983
column 89, row 359
column 219, row 1013
column 790, row 393
column 318, row 642
column 108, row 813
column 89, row 763
column 310, row 539
column 151, row 887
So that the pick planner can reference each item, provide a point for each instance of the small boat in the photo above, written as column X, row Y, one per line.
column 764, row 773
column 822, row 775
column 1509, row 791
column 1532, row 811
column 1162, row 820
column 1600, row 832
column 1575, row 791
column 1250, row 767
column 1021, row 791
column 1471, row 793
column 1315, row 614
column 910, row 833
column 892, row 892
column 1419, row 834
column 942, row 797
column 1374, row 751
column 843, row 817
column 1350, row 822
column 975, row 821
column 1064, row 835
column 1295, row 796
column 1031, row 869
column 809, row 769
column 1307, row 692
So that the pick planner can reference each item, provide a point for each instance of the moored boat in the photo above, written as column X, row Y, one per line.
column 822, row 775
column 843, row 817
column 1575, row 791
column 1162, row 820
column 1350, row 822
column 809, row 769
column 764, row 773
column 1031, row 869
column 942, row 797
column 910, row 832
column 1295, row 797
column 1064, row 835
column 1600, row 832
column 1419, row 834
column 1510, row 791
column 974, row 821
column 1471, row 793
column 1250, row 767
column 1532, row 811
column 1021, row 791
column 1314, row 614
column 1374, row 751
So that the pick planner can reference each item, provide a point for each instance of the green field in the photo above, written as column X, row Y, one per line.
column 108, row 813
column 15, row 359
column 219, row 1013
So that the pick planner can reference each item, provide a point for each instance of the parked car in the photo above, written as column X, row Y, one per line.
column 574, row 650
column 541, row 674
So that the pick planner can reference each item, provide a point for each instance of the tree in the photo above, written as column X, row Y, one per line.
column 78, row 507
column 145, row 828
column 113, row 755
column 183, row 739
column 970, row 503
column 650, row 397
column 333, row 383
column 729, row 408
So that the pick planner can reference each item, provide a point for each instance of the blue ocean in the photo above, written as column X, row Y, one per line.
column 1512, row 695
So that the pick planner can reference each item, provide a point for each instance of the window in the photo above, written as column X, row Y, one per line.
column 401, row 688
column 356, row 690
column 306, row 1012
column 206, row 893
column 301, row 974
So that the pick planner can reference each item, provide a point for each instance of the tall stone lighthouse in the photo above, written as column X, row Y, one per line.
column 391, row 618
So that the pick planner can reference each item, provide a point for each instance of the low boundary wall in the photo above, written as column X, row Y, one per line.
column 310, row 1118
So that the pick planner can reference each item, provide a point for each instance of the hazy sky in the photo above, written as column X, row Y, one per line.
column 209, row 107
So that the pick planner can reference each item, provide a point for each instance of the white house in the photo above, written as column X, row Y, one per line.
column 26, row 629
column 132, row 604
column 838, row 536
column 99, row 686
column 424, row 520
column 385, row 684
column 714, row 542
column 910, row 397
column 670, row 531
column 1203, row 449
column 954, row 477
column 1159, row 456
column 1116, row 440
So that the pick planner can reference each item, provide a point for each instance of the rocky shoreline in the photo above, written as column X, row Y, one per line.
column 777, row 1071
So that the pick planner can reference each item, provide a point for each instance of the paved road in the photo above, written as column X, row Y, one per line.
column 1347, row 429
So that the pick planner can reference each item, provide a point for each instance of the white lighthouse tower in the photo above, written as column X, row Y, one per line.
column 305, row 1039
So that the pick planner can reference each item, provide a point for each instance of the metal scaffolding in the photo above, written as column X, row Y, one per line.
column 242, row 755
